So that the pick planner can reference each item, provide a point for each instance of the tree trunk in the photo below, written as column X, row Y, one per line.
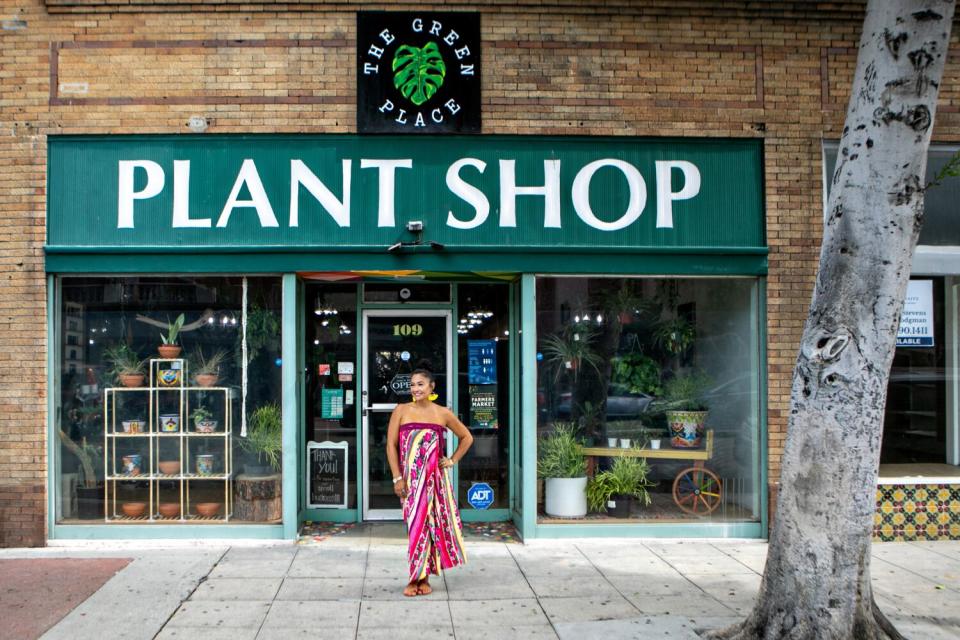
column 816, row 583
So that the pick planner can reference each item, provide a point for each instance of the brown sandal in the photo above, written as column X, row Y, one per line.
column 412, row 589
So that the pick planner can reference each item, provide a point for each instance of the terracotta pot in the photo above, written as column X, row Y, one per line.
column 206, row 379
column 169, row 509
column 207, row 509
column 132, row 379
column 169, row 351
column 133, row 509
column 169, row 467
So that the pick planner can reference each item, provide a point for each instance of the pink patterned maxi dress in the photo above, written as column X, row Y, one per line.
column 430, row 509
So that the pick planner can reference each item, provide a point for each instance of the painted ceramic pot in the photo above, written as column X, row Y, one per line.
column 686, row 428
column 169, row 423
column 133, row 426
column 169, row 377
column 132, row 464
column 206, row 426
column 205, row 464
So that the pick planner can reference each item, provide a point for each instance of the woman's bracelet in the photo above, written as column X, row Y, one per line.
column 397, row 479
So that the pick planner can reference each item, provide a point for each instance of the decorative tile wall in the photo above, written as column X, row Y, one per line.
column 907, row 512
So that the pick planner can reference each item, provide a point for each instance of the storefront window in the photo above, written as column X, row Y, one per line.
column 483, row 353
column 914, row 423
column 659, row 379
column 331, row 412
column 152, row 435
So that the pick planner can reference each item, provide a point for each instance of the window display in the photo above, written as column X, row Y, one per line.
column 169, row 408
column 648, row 398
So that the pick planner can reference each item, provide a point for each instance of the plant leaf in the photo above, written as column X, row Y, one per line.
column 418, row 73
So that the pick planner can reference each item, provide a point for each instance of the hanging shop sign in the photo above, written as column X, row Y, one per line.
column 916, row 321
column 373, row 193
column 418, row 72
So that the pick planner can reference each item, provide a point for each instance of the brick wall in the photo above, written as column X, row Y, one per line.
column 777, row 71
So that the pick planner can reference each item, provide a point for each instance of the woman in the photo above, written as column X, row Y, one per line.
column 415, row 442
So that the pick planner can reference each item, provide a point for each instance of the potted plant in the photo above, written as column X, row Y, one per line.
column 686, row 412
column 170, row 349
column 206, row 371
column 638, row 373
column 561, row 463
column 619, row 487
column 202, row 422
column 125, row 365
column 674, row 336
column 264, row 439
column 89, row 489
column 572, row 349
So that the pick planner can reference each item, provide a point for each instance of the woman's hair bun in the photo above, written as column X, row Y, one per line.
column 424, row 365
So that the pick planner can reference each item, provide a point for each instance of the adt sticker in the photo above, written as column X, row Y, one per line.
column 404, row 355
column 480, row 495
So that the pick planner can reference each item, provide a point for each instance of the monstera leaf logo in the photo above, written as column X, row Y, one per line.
column 418, row 73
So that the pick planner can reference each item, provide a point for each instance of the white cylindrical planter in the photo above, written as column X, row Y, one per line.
column 566, row 497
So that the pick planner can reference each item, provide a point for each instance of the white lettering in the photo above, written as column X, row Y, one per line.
column 339, row 210
column 462, row 52
column 402, row 117
column 550, row 192
column 419, row 122
column 665, row 197
column 369, row 69
column 417, row 25
column 387, row 106
column 452, row 105
column 436, row 115
column 451, row 37
column 581, row 194
column 466, row 69
column 248, row 176
column 467, row 192
column 125, row 193
column 435, row 28
column 387, row 170
column 386, row 36
column 375, row 51
column 181, row 198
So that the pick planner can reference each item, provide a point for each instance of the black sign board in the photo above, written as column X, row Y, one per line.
column 418, row 72
column 327, row 465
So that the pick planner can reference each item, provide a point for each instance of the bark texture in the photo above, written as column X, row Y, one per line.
column 816, row 583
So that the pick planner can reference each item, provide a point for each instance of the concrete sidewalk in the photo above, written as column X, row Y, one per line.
column 349, row 586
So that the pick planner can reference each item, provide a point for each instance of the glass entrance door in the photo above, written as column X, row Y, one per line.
column 394, row 342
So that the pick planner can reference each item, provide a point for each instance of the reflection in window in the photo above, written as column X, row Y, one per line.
column 629, row 364
column 177, row 438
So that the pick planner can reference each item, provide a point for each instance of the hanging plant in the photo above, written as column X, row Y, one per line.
column 572, row 349
column 639, row 373
column 674, row 336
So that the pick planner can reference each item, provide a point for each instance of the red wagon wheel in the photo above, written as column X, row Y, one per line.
column 697, row 491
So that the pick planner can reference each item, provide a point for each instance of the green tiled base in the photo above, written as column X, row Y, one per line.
column 907, row 512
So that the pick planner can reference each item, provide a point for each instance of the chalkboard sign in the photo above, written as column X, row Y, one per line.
column 327, row 471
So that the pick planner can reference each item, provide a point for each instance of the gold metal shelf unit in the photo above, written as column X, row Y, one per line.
column 168, row 426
